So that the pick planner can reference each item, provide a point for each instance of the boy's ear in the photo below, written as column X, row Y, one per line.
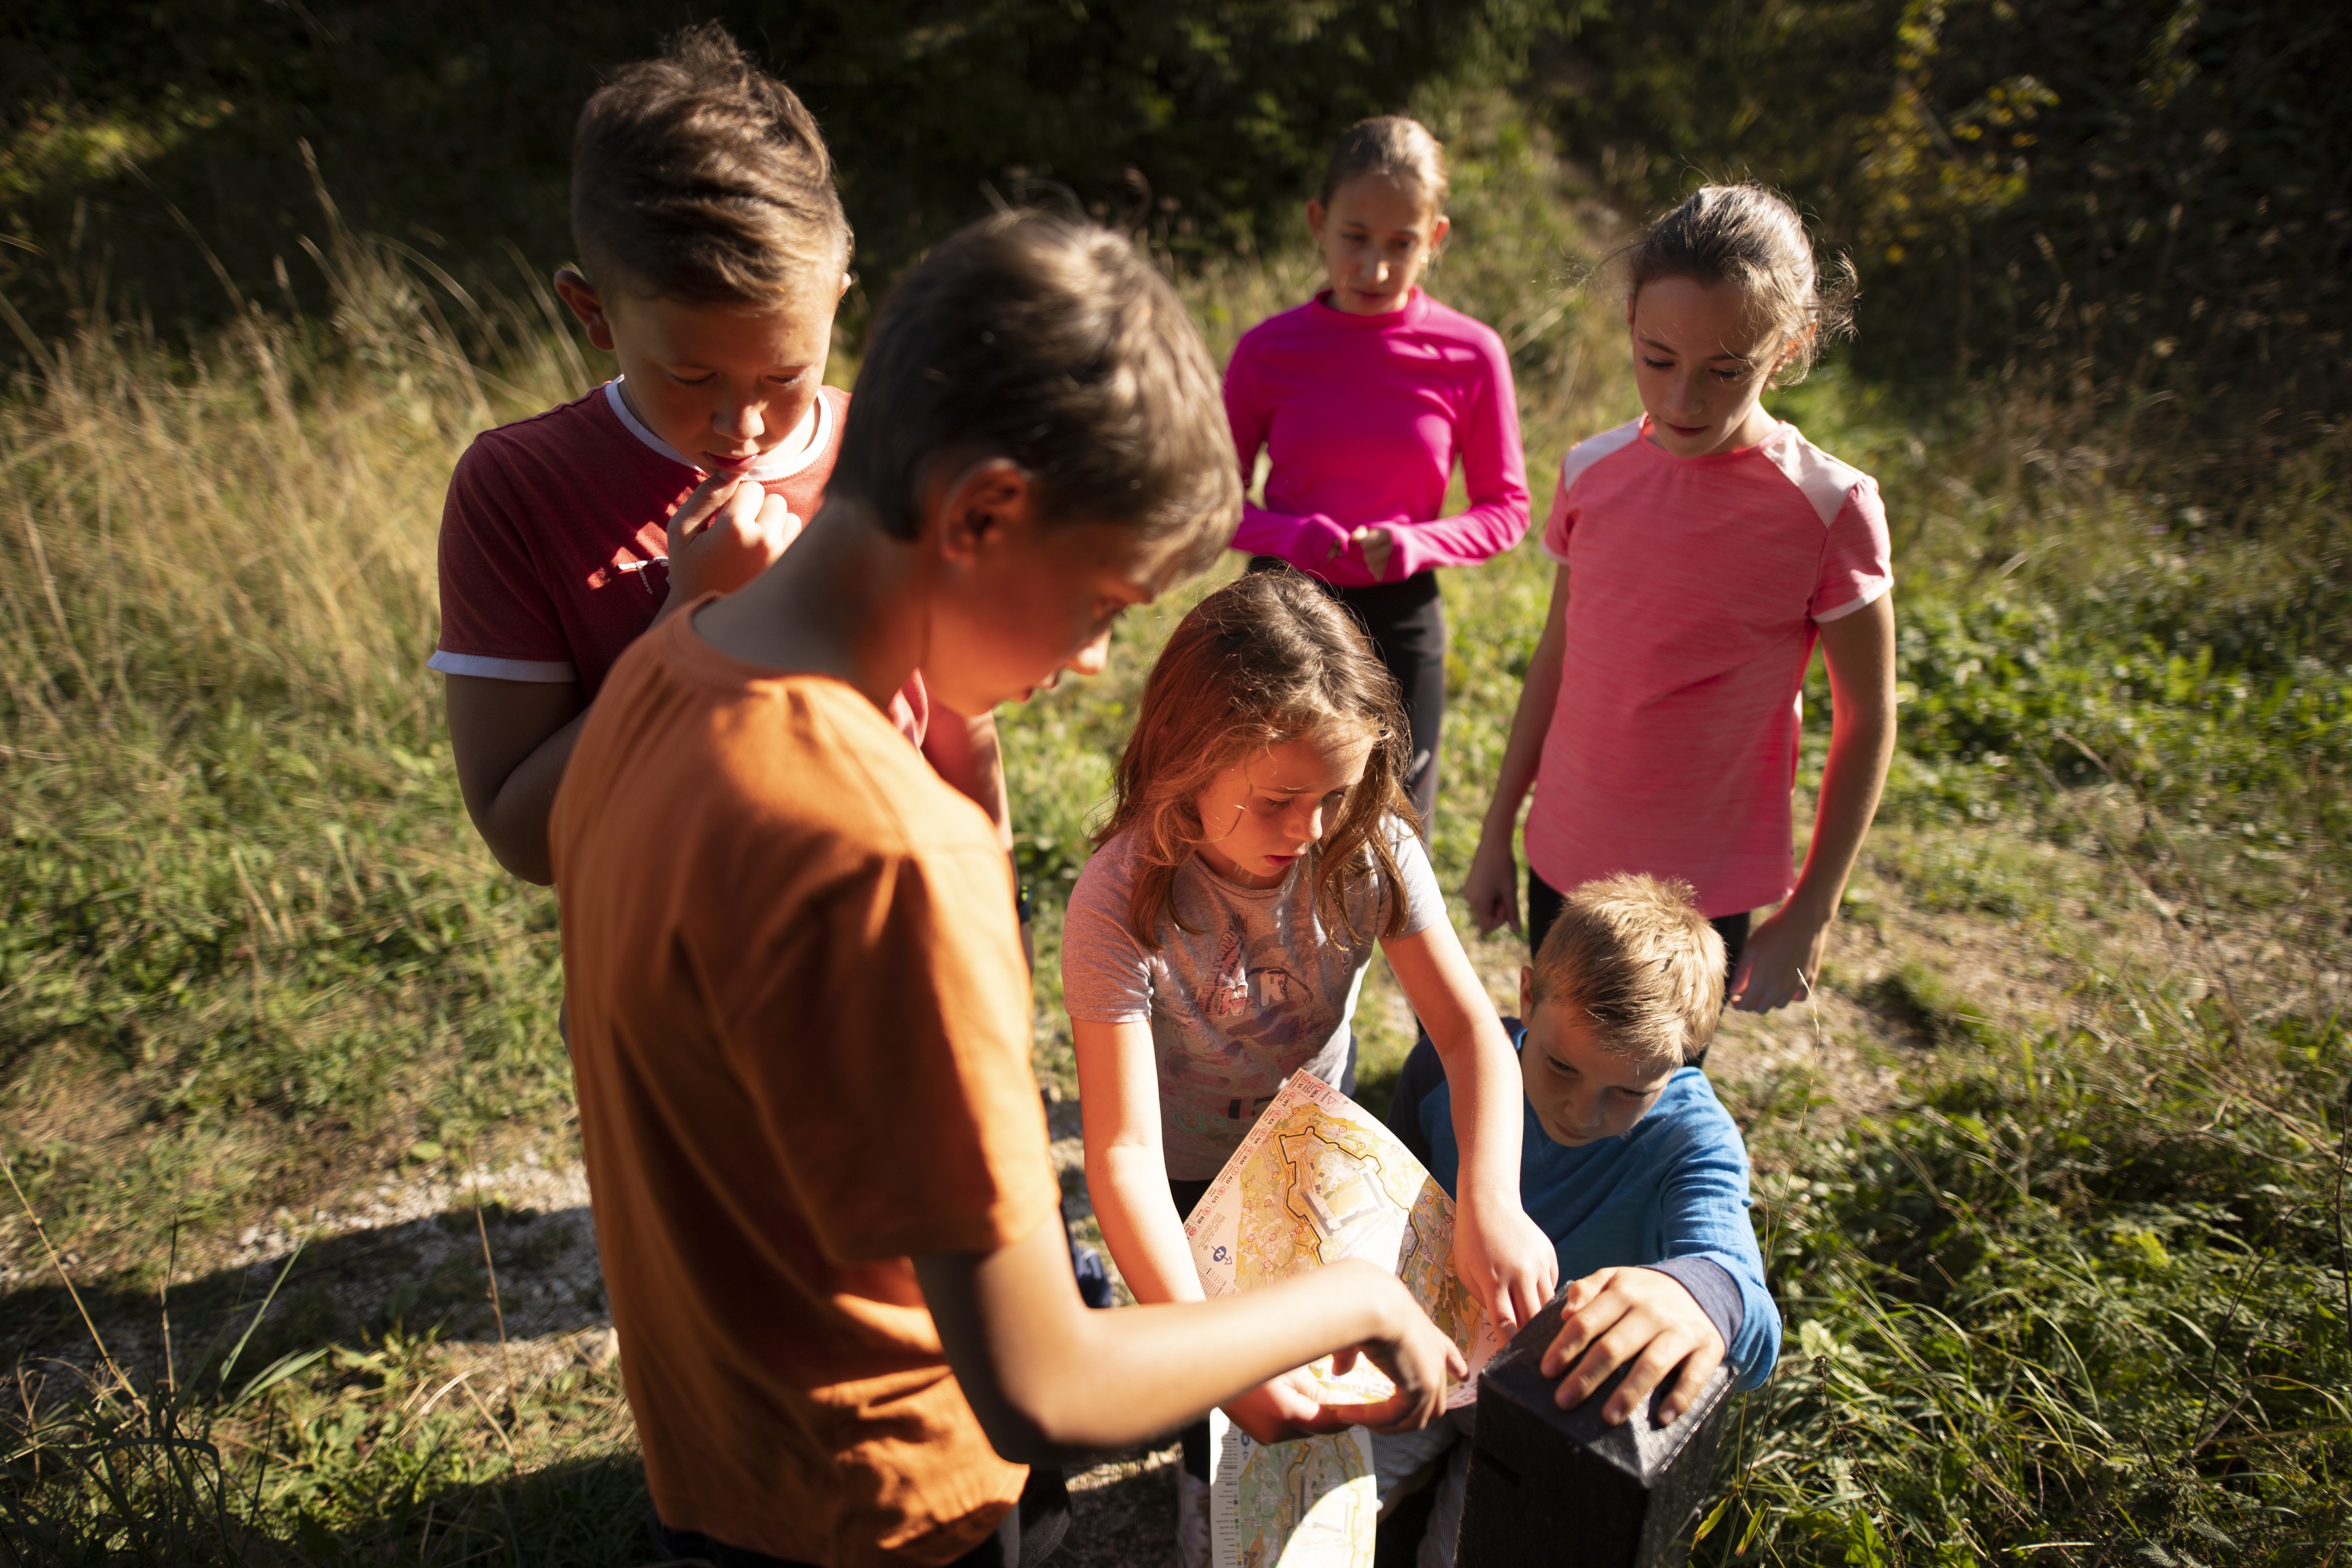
column 573, row 287
column 1526, row 994
column 982, row 504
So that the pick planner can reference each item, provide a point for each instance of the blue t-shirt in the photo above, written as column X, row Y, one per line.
column 1674, row 1186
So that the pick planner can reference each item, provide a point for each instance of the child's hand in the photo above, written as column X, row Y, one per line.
column 1377, row 545
column 1493, row 891
column 1617, row 1315
column 1781, row 962
column 1505, row 1260
column 1415, row 1354
column 1284, row 1407
column 725, row 533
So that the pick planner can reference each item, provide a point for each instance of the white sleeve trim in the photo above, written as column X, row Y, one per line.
column 1869, row 595
column 543, row 671
column 1573, row 467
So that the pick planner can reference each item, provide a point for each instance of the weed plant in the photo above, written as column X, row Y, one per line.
column 2077, row 1297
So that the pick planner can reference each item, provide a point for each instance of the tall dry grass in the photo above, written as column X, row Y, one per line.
column 2078, row 1286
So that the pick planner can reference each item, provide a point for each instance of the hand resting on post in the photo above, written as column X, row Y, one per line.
column 1613, row 1316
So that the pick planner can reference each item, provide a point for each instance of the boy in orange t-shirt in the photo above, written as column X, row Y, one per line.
column 827, row 1217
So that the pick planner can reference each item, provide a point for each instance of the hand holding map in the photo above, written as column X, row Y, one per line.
column 1318, row 1180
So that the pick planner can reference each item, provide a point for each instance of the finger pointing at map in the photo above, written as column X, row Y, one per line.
column 1319, row 1182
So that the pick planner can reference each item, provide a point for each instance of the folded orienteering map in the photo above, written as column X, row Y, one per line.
column 1319, row 1179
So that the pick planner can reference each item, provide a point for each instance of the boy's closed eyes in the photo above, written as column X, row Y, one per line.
column 1582, row 1090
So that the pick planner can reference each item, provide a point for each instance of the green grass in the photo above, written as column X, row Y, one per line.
column 2075, row 1296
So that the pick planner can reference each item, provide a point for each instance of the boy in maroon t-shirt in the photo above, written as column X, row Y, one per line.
column 714, row 244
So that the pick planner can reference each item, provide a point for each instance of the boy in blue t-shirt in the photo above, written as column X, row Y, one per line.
column 1629, row 1164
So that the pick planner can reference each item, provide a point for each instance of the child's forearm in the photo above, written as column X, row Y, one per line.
column 1480, row 1065
column 1129, row 1184
column 1484, row 1074
column 1852, row 782
column 1531, row 721
column 1048, row 1378
column 1859, row 652
column 512, row 741
column 1485, row 531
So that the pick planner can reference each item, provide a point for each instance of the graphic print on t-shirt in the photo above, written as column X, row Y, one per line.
column 1267, row 1005
column 1246, row 986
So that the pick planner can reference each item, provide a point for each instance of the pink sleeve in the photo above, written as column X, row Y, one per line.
column 1494, row 472
column 1308, row 541
column 493, row 601
column 1858, row 562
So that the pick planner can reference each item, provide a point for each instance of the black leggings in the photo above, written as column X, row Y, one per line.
column 1406, row 622
column 1544, row 902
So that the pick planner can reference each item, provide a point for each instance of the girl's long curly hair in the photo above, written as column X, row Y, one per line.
column 1265, row 660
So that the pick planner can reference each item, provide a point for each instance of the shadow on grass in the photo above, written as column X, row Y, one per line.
column 590, row 1511
column 419, row 1276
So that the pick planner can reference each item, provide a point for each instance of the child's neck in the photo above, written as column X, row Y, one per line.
column 846, row 600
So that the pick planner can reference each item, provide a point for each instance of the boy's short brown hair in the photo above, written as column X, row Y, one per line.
column 1635, row 956
column 1055, row 344
column 699, row 177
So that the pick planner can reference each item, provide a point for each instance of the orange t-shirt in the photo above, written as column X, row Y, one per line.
column 800, row 1034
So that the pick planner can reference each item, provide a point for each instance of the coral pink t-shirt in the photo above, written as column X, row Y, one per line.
column 554, row 539
column 1695, row 588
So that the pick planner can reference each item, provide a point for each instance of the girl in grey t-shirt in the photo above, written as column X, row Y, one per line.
column 1258, row 850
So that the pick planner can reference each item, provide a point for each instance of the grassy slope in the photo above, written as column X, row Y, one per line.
column 2052, row 1170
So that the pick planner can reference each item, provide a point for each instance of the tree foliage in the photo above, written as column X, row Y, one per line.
column 129, row 132
column 2151, row 202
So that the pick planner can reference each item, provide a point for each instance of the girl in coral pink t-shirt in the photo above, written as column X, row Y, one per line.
column 1702, row 549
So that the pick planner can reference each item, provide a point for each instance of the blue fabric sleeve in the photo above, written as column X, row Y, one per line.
column 1710, row 1284
column 1423, row 1074
column 1702, row 1214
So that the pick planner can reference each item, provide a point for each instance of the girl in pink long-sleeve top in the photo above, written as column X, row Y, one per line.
column 1364, row 399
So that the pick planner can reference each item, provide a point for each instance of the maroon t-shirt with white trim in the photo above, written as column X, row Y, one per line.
column 554, row 539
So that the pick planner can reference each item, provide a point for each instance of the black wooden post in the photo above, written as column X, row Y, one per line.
column 1552, row 1487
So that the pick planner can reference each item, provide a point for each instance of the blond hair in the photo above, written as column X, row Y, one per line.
column 1265, row 660
column 1392, row 145
column 1633, row 954
column 1752, row 239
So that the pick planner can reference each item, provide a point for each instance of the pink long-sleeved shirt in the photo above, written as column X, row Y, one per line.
column 1362, row 418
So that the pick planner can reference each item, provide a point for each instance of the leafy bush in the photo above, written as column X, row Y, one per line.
column 2088, row 1292
column 449, row 124
column 2145, row 203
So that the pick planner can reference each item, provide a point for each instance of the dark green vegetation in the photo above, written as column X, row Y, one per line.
column 448, row 125
column 2053, row 1173
column 2145, row 205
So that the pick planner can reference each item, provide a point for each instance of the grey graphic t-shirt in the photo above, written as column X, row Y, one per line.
column 1256, row 990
